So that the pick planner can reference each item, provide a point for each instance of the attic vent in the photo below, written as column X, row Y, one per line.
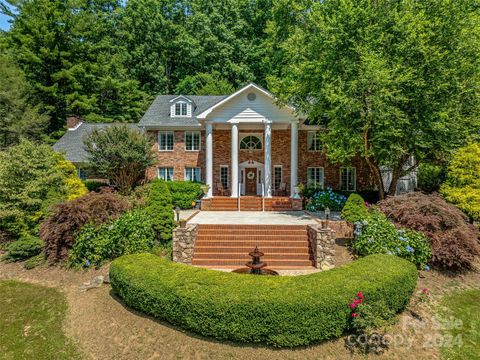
column 251, row 96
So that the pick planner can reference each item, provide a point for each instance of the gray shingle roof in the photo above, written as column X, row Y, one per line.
column 71, row 143
column 158, row 114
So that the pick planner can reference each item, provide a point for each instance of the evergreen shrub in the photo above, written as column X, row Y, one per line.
column 282, row 311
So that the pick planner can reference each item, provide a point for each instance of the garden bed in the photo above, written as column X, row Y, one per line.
column 280, row 311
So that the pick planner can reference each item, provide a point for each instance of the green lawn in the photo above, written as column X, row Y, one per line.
column 31, row 323
column 464, row 306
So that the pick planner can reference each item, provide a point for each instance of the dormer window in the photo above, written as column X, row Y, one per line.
column 181, row 109
column 181, row 106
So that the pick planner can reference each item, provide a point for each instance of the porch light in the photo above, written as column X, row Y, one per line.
column 177, row 211
column 327, row 213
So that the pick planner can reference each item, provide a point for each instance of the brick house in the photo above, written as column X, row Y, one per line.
column 240, row 144
column 243, row 144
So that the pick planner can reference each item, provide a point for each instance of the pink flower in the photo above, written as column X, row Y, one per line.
column 425, row 290
column 360, row 295
column 354, row 314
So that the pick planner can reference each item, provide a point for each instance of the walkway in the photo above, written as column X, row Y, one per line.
column 253, row 218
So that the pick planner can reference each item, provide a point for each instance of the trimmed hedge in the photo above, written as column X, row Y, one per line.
column 160, row 210
column 282, row 311
column 185, row 193
column 354, row 209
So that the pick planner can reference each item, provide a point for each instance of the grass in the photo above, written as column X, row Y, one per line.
column 31, row 323
column 461, row 339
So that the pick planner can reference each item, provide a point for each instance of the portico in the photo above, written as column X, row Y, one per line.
column 253, row 125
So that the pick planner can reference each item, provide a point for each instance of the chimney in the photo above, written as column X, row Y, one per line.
column 73, row 122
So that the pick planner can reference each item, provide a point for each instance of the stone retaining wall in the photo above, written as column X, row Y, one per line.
column 322, row 242
column 184, row 243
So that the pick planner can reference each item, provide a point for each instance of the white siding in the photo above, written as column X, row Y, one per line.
column 244, row 110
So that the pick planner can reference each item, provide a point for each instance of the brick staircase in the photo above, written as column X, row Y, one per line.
column 227, row 246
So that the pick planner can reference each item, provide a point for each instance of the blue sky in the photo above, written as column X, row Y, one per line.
column 4, row 25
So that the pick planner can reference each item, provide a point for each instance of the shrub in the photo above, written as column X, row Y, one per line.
column 326, row 198
column 377, row 235
column 24, row 248
column 462, row 186
column 282, row 311
column 93, row 185
column 75, row 186
column 354, row 209
column 131, row 233
column 454, row 241
column 184, row 193
column 160, row 210
column 430, row 177
column 32, row 178
column 58, row 230
column 34, row 261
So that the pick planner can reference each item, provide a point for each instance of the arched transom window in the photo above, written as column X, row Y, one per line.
column 251, row 142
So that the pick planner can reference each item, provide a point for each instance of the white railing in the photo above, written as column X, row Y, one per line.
column 263, row 197
column 238, row 196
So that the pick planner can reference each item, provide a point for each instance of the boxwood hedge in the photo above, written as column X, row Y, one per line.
column 281, row 311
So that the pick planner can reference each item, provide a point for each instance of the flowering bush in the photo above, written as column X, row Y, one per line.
column 367, row 317
column 377, row 235
column 326, row 199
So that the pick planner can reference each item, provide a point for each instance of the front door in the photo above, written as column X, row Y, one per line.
column 251, row 181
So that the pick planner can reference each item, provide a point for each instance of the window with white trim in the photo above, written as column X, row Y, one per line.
column 348, row 179
column 193, row 174
column 315, row 177
column 181, row 108
column 277, row 176
column 250, row 142
column 313, row 141
column 192, row 140
column 165, row 173
column 165, row 140
column 224, row 176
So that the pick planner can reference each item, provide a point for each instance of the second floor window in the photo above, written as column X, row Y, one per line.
column 181, row 109
column 165, row 140
column 313, row 141
column 192, row 140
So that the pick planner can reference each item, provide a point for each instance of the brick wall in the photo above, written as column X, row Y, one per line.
column 179, row 158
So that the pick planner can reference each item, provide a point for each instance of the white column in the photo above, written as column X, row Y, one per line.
column 209, row 157
column 268, row 160
column 293, row 158
column 234, row 182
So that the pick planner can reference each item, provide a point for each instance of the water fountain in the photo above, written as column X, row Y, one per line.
column 256, row 266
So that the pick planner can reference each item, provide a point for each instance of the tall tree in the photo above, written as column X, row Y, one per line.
column 204, row 84
column 388, row 79
column 69, row 53
column 18, row 118
column 119, row 153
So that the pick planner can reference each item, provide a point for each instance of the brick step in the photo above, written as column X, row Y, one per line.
column 251, row 227
column 278, row 267
column 244, row 256
column 242, row 237
column 245, row 249
column 273, row 264
column 252, row 244
column 251, row 232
